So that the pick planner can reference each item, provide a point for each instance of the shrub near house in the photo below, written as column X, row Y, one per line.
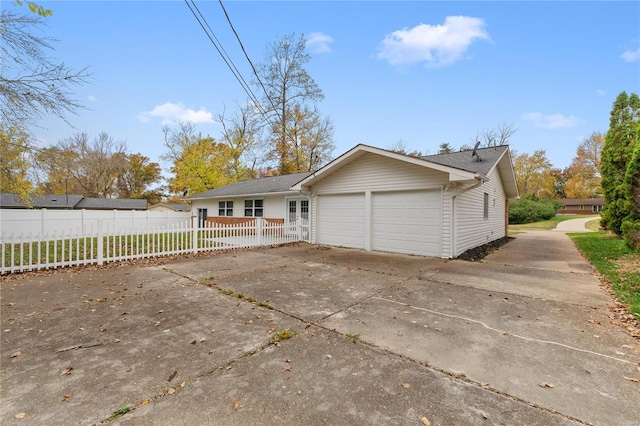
column 531, row 209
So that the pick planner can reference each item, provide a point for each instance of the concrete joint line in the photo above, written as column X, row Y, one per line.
column 529, row 339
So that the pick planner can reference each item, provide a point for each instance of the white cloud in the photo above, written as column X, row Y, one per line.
column 171, row 113
column 600, row 92
column 319, row 42
column 435, row 45
column 551, row 121
column 631, row 55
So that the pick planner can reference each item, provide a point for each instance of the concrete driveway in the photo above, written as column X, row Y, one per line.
column 524, row 337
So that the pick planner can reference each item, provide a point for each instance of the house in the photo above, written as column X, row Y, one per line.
column 170, row 207
column 70, row 202
column 581, row 205
column 373, row 199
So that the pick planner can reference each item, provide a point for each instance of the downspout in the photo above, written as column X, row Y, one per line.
column 480, row 180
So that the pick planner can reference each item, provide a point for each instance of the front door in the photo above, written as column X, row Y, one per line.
column 297, row 215
column 202, row 218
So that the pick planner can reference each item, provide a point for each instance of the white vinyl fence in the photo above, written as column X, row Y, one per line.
column 45, row 221
column 110, row 242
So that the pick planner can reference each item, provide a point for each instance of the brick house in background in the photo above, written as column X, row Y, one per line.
column 581, row 205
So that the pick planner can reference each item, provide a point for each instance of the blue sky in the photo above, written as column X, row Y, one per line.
column 418, row 71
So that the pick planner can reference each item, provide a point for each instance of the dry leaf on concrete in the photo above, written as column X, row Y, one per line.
column 546, row 385
column 425, row 421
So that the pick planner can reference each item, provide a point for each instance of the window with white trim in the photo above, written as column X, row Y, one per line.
column 225, row 208
column 253, row 208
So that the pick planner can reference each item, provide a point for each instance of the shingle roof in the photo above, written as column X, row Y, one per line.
column 482, row 163
column 175, row 207
column 47, row 201
column 71, row 201
column 111, row 204
column 265, row 185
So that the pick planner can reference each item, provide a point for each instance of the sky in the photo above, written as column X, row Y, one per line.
column 420, row 72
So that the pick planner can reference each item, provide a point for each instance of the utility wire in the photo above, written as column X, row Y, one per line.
column 255, row 72
column 218, row 46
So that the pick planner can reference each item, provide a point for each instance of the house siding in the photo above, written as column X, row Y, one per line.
column 273, row 206
column 470, row 228
column 372, row 172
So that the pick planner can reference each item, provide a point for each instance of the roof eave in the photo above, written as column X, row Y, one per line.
column 256, row 194
column 455, row 175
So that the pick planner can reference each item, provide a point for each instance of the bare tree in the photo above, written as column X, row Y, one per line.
column 287, row 86
column 241, row 132
column 494, row 136
column 32, row 84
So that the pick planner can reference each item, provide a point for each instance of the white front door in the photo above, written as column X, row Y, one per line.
column 297, row 215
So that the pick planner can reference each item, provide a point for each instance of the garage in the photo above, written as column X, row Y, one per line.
column 341, row 220
column 407, row 222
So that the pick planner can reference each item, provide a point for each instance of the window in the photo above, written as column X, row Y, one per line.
column 253, row 208
column 486, row 205
column 225, row 208
column 582, row 207
column 596, row 208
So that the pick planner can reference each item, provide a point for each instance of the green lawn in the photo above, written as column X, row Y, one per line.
column 543, row 225
column 616, row 262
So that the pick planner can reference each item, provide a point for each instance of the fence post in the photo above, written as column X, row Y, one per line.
column 43, row 222
column 100, row 243
column 194, row 236
column 259, row 223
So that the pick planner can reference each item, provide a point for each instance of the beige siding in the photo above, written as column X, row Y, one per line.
column 470, row 228
column 446, row 224
column 373, row 172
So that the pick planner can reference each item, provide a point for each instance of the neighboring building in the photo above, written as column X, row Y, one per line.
column 170, row 207
column 70, row 202
column 581, row 205
column 373, row 199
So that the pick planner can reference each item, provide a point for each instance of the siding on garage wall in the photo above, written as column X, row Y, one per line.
column 446, row 224
column 273, row 206
column 373, row 172
column 470, row 228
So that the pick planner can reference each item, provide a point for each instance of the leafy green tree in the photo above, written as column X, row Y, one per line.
column 203, row 164
column 631, row 223
column 616, row 154
column 138, row 174
column 533, row 174
column 289, row 92
column 14, row 162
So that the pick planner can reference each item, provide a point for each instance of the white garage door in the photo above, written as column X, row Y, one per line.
column 407, row 222
column 341, row 220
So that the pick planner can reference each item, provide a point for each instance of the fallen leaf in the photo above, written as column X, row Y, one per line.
column 145, row 402
column 67, row 371
column 171, row 391
column 631, row 379
column 287, row 368
column 329, row 356
column 165, row 331
column 116, row 341
column 425, row 421
column 596, row 336
column 65, row 398
column 20, row 416
column 16, row 354
column 484, row 385
column 172, row 376
column 546, row 385
column 237, row 405
column 405, row 385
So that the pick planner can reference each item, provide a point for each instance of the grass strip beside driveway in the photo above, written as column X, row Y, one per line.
column 616, row 262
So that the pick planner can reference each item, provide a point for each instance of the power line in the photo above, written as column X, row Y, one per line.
column 218, row 46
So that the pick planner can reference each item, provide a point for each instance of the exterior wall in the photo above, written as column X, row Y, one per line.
column 470, row 229
column 370, row 174
column 587, row 209
column 373, row 172
column 447, row 223
column 274, row 208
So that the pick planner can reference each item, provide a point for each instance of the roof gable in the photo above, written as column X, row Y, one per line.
column 260, row 186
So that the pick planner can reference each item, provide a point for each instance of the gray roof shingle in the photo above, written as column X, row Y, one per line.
column 111, row 204
column 46, row 201
column 265, row 185
column 488, row 157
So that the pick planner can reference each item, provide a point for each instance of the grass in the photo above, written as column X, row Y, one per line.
column 353, row 338
column 593, row 225
column 542, row 225
column 282, row 335
column 618, row 264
